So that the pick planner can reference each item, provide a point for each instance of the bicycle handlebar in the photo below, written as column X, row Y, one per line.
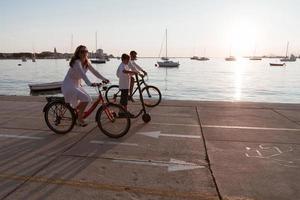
column 103, row 83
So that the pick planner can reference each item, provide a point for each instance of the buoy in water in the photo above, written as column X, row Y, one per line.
column 19, row 64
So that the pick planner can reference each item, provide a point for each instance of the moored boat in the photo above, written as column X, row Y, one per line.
column 277, row 64
column 255, row 58
column 289, row 59
column 286, row 58
column 45, row 86
column 230, row 58
column 203, row 59
column 98, row 61
column 168, row 64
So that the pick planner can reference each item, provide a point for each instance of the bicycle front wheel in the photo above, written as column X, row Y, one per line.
column 151, row 96
column 59, row 117
column 113, row 94
column 113, row 120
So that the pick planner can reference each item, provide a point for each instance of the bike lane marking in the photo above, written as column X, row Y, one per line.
column 157, row 134
column 102, row 142
column 251, row 128
column 21, row 137
column 173, row 165
column 171, row 124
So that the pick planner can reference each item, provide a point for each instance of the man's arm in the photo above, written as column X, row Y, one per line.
column 137, row 67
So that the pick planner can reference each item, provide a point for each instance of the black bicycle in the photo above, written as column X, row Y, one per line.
column 151, row 94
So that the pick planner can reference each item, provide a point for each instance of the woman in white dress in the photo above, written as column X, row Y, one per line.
column 72, row 90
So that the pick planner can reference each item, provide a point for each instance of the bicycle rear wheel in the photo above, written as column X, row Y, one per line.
column 151, row 96
column 113, row 121
column 59, row 117
column 113, row 94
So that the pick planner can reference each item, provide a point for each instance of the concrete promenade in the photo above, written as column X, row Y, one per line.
column 190, row 150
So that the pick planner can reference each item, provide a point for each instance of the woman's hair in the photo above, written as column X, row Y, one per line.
column 76, row 56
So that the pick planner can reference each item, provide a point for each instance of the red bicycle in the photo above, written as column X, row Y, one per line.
column 60, row 117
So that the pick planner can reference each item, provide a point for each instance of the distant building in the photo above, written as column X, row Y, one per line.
column 55, row 53
column 99, row 53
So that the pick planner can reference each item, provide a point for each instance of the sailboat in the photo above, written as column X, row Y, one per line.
column 254, row 57
column 33, row 57
column 286, row 58
column 98, row 59
column 166, row 62
column 203, row 58
column 230, row 58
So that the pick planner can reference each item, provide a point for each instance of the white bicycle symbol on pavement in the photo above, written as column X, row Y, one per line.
column 272, row 153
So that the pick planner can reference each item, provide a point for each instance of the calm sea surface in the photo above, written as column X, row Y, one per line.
column 243, row 80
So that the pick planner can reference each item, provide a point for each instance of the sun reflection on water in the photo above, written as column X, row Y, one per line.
column 238, row 81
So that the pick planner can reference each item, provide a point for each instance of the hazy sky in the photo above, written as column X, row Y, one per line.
column 194, row 26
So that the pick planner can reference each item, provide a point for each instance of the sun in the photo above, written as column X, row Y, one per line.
column 243, row 38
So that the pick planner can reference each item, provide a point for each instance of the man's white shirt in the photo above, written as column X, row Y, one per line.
column 124, row 78
column 134, row 67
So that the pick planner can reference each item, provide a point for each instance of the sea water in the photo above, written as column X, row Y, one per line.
column 215, row 80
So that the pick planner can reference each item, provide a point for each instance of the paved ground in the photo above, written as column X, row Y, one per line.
column 190, row 150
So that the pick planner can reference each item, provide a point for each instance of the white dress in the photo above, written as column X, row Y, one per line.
column 71, row 88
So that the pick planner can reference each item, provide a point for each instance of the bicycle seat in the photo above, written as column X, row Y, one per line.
column 50, row 99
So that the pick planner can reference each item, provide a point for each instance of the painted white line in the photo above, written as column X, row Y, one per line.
column 112, row 143
column 21, row 137
column 173, row 165
column 181, row 136
column 171, row 115
column 251, row 128
column 170, row 124
column 157, row 134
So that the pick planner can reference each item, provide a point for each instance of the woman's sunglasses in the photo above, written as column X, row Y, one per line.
column 84, row 51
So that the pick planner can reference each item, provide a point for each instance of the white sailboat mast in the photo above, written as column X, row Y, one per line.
column 96, row 41
column 71, row 43
column 166, row 43
column 287, row 49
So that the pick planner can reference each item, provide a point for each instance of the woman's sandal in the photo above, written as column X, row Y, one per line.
column 82, row 124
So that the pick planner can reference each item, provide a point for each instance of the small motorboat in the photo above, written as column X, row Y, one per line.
column 98, row 61
column 45, row 86
column 277, row 64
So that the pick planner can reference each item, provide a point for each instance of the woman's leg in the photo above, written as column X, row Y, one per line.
column 81, row 108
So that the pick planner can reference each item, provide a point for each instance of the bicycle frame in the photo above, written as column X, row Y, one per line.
column 142, row 81
column 100, row 100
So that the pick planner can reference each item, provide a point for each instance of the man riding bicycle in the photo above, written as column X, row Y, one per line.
column 136, row 68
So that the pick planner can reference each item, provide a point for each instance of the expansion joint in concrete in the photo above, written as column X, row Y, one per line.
column 207, row 157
